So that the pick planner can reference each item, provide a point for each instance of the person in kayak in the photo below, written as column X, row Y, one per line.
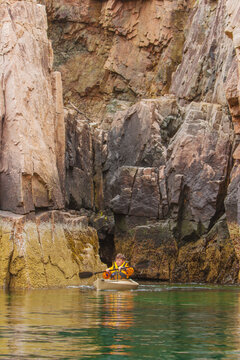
column 119, row 270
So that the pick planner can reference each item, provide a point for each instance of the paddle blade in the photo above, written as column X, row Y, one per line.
column 85, row 275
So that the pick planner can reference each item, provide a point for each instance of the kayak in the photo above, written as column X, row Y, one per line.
column 123, row 284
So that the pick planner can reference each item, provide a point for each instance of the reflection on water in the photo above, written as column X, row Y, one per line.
column 117, row 309
column 154, row 322
column 117, row 312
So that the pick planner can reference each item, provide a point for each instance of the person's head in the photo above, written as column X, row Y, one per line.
column 120, row 258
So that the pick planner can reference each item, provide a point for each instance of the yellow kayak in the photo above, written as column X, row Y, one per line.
column 123, row 284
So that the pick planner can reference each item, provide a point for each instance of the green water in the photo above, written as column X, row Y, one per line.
column 153, row 322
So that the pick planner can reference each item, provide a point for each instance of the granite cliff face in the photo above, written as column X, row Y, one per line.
column 115, row 51
column 31, row 112
column 39, row 247
column 151, row 93
column 233, row 96
column 167, row 186
column 167, row 165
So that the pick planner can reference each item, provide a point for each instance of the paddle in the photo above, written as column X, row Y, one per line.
column 88, row 274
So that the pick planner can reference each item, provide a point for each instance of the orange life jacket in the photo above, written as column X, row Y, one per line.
column 116, row 274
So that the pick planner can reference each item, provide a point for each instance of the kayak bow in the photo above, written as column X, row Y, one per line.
column 123, row 284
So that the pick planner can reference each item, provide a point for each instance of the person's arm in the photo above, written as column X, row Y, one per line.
column 107, row 273
column 129, row 271
column 126, row 270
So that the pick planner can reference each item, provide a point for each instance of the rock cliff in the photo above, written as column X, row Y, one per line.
column 31, row 112
column 233, row 96
column 160, row 79
column 39, row 247
column 151, row 92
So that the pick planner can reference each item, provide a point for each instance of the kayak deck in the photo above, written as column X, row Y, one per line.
column 123, row 284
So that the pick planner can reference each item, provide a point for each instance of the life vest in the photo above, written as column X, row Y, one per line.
column 116, row 274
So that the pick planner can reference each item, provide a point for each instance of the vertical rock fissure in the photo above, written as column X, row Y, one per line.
column 40, row 244
column 8, row 277
column 131, row 196
column 11, row 17
column 94, row 171
column 160, row 194
column 107, row 249
column 222, row 193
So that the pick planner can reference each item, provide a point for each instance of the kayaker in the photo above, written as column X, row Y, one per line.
column 119, row 270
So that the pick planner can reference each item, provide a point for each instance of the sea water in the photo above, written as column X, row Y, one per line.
column 157, row 321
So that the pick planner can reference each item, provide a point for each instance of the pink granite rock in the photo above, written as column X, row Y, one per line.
column 207, row 55
column 116, row 50
column 32, row 124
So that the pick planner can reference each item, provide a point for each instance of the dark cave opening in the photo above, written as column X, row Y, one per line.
column 106, row 248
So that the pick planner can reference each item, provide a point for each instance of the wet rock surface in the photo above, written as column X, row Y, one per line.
column 155, row 253
column 46, row 250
